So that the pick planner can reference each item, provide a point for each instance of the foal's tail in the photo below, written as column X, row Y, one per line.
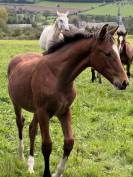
column 12, row 65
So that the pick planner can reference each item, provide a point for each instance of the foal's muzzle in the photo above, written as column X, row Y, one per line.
column 67, row 30
column 121, row 86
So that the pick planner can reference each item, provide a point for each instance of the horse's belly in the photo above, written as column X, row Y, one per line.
column 20, row 90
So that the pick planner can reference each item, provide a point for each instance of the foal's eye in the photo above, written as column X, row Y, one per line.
column 61, row 20
column 108, row 54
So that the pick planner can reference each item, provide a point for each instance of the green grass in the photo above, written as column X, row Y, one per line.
column 68, row 4
column 112, row 9
column 102, row 125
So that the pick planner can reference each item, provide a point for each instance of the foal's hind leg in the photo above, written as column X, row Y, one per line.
column 32, row 134
column 68, row 142
column 20, row 124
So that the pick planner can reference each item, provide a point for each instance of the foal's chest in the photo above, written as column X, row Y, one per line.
column 61, row 103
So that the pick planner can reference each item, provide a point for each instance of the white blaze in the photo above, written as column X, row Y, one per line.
column 120, row 39
column 116, row 50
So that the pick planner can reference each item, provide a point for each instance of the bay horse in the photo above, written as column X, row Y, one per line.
column 44, row 85
column 125, row 50
column 53, row 33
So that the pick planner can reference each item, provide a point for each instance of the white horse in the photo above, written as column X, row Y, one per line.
column 53, row 33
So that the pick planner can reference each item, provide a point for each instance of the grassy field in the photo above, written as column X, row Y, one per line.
column 102, row 125
column 108, row 9
column 68, row 5
column 112, row 9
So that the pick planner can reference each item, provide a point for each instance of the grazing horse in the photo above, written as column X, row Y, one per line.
column 53, row 33
column 125, row 50
column 44, row 85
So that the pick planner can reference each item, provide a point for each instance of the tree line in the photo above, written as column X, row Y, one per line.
column 34, row 1
column 18, row 1
column 100, row 1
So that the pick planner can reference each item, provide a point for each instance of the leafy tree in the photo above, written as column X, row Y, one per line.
column 3, row 17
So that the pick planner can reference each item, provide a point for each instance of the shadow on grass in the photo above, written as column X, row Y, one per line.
column 5, row 100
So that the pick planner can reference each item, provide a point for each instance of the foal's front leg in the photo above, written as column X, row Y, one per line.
column 128, row 70
column 43, row 120
column 68, row 142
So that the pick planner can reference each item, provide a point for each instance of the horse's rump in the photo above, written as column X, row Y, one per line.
column 22, row 58
column 20, row 73
column 129, row 51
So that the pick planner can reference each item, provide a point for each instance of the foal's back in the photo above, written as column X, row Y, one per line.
column 22, row 58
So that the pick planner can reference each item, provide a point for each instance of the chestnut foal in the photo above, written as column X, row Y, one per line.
column 44, row 85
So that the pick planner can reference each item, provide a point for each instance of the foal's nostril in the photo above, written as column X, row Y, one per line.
column 125, row 83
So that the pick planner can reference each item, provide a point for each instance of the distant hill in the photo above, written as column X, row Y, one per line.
column 17, row 1
column 83, row 0
column 34, row 1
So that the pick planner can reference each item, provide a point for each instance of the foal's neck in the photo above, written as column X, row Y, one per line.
column 56, row 30
column 75, row 58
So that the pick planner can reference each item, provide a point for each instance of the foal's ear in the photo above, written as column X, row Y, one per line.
column 103, row 32
column 67, row 13
column 112, row 31
column 58, row 13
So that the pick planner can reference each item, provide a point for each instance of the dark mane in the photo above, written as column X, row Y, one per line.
column 68, row 38
column 73, row 37
column 121, row 33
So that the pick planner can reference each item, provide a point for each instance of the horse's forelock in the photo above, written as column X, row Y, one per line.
column 121, row 33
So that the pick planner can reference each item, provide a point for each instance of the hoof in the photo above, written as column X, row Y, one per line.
column 31, row 171
column 56, row 175
column 22, row 158
column 31, row 164
column 48, row 175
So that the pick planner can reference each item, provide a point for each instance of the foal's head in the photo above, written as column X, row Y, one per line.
column 62, row 21
column 105, row 58
column 121, row 40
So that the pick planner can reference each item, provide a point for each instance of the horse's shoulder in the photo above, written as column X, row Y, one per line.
column 129, row 50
